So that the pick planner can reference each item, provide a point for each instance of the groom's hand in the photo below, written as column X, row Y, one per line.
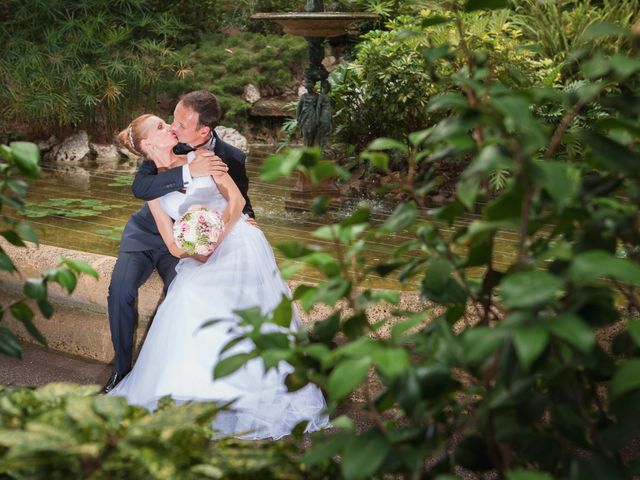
column 206, row 163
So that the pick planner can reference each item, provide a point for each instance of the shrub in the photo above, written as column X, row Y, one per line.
column 64, row 431
column 507, row 370
column 385, row 90
column 82, row 63
column 224, row 64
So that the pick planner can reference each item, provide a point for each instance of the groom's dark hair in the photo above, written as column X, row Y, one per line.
column 206, row 105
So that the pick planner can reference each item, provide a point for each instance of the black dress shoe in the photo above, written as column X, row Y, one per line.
column 114, row 380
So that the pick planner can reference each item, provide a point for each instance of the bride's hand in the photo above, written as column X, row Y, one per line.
column 200, row 258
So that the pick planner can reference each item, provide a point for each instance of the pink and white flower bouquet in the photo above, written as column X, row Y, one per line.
column 198, row 230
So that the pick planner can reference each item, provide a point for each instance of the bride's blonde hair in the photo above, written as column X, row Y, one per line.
column 132, row 136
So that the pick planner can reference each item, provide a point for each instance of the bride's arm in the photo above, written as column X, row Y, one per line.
column 235, row 200
column 165, row 227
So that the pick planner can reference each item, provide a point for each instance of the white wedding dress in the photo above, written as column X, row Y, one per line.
column 178, row 356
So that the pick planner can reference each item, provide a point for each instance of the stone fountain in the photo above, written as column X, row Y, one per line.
column 314, row 107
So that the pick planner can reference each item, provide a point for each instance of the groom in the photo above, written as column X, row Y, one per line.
column 142, row 249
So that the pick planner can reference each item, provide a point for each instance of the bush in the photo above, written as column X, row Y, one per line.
column 507, row 370
column 224, row 64
column 82, row 64
column 63, row 431
column 385, row 90
column 557, row 28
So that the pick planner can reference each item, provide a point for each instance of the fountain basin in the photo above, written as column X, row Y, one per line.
column 315, row 24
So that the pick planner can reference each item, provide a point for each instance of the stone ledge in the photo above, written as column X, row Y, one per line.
column 80, row 323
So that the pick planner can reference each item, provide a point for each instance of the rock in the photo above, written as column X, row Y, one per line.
column 46, row 145
column 330, row 63
column 270, row 107
column 232, row 136
column 74, row 149
column 302, row 90
column 105, row 153
column 251, row 94
column 129, row 155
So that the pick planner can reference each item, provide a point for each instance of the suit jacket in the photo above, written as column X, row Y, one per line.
column 141, row 231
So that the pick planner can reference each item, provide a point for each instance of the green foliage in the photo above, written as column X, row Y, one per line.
column 386, row 89
column 66, row 431
column 122, row 181
column 112, row 233
column 16, row 160
column 82, row 63
column 68, row 207
column 558, row 28
column 224, row 64
column 505, row 370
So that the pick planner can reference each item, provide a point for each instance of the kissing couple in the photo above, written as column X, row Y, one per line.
column 177, row 357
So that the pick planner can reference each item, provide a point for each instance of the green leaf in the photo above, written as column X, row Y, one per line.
column 6, row 263
column 347, row 376
column 26, row 232
column 228, row 365
column 522, row 474
column 626, row 379
column 529, row 343
column 9, row 343
column 66, row 279
column 45, row 308
column 602, row 29
column 26, row 156
column 439, row 286
column 387, row 144
column 403, row 216
column 35, row 288
column 573, row 330
column 327, row 449
column 529, row 288
column 447, row 101
column 379, row 160
column 467, row 191
column 391, row 361
column 78, row 267
column 283, row 313
column 594, row 264
column 561, row 180
column 24, row 314
column 472, row 5
column 364, row 454
column 480, row 342
column 634, row 330
column 326, row 329
column 612, row 154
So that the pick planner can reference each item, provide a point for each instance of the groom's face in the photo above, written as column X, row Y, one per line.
column 186, row 126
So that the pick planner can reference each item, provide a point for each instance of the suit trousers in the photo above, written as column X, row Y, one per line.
column 131, row 270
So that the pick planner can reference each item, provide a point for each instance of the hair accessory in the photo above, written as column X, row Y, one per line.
column 130, row 135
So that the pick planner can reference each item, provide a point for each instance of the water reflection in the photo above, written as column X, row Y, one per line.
column 105, row 188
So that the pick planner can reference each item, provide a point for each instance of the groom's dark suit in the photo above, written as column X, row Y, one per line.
column 142, row 248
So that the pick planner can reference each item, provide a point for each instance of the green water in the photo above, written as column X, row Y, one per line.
column 108, row 188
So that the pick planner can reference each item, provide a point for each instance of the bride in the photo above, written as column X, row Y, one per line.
column 178, row 356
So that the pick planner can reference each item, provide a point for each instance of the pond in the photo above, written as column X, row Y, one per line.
column 85, row 207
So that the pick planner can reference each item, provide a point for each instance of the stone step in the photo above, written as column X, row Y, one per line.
column 80, row 323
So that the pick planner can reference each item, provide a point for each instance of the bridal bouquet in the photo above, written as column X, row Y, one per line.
column 198, row 230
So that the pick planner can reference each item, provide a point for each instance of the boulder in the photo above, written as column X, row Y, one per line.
column 105, row 153
column 129, row 155
column 46, row 145
column 232, row 136
column 74, row 149
column 251, row 94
